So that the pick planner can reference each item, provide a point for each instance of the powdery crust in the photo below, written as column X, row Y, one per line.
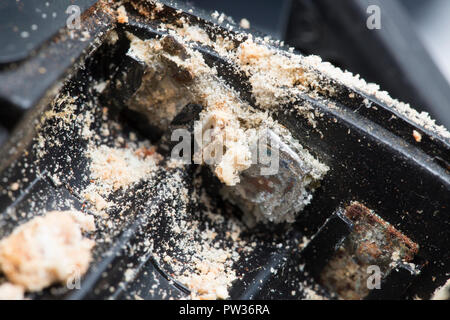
column 198, row 246
column 221, row 116
column 277, row 75
column 47, row 250
column 354, row 81
column 232, row 123
column 211, row 276
column 193, row 254
column 204, row 261
column 115, row 168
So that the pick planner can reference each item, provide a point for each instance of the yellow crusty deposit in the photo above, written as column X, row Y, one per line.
column 276, row 75
column 232, row 122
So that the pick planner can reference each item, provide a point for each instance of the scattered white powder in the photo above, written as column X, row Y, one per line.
column 114, row 168
column 371, row 89
column 209, row 280
column 276, row 75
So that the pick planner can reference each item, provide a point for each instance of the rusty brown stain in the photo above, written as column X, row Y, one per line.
column 372, row 241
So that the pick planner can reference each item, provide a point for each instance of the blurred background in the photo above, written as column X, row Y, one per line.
column 409, row 56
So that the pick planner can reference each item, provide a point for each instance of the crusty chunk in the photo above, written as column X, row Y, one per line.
column 47, row 250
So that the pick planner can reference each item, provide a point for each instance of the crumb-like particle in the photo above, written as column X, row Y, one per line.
column 122, row 16
column 159, row 7
column 14, row 186
column 97, row 200
column 244, row 24
column 215, row 15
column 417, row 136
